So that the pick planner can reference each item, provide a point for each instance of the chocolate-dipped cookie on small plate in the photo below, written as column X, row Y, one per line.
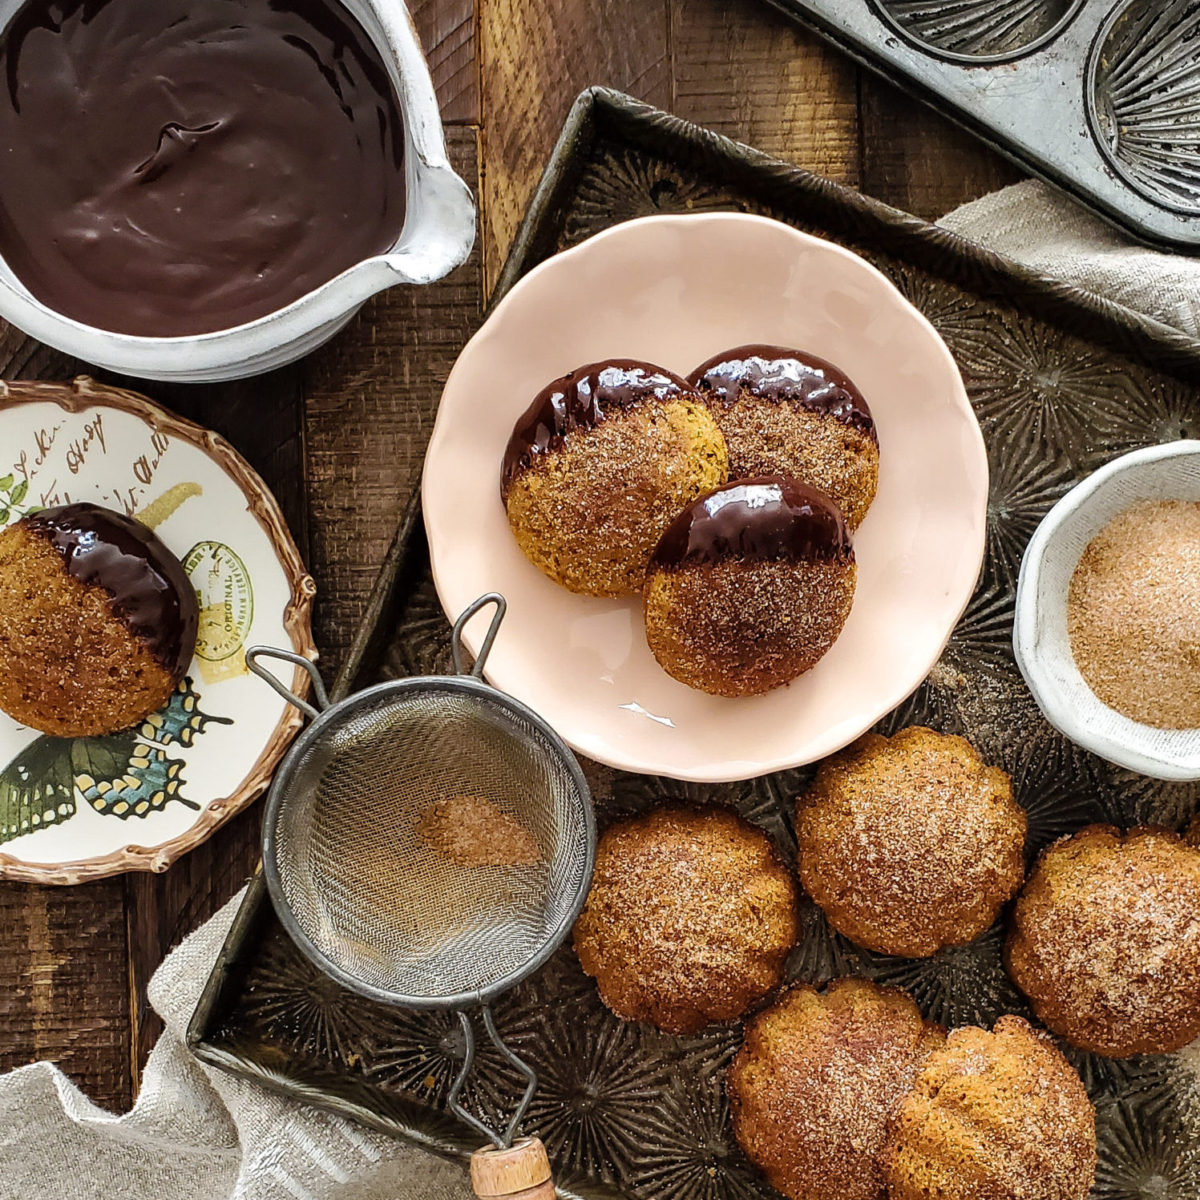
column 788, row 412
column 98, row 621
column 597, row 467
column 749, row 586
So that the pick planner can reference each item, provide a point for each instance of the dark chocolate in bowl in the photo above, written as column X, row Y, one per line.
column 176, row 167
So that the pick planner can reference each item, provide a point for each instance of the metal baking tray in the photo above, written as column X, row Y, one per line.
column 1096, row 96
column 1062, row 381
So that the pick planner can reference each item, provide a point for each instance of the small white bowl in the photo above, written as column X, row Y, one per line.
column 674, row 291
column 438, row 233
column 1043, row 649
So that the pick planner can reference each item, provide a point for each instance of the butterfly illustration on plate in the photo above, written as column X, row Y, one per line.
column 127, row 774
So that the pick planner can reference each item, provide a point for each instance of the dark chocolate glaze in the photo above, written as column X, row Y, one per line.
column 781, row 376
column 147, row 585
column 770, row 518
column 173, row 167
column 582, row 400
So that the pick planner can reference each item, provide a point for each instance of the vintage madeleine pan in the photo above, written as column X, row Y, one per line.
column 1096, row 96
column 1062, row 381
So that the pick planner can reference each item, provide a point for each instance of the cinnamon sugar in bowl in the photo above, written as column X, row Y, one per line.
column 1105, row 603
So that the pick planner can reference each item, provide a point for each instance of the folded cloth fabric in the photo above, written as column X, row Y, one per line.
column 196, row 1133
column 199, row 1134
column 1040, row 227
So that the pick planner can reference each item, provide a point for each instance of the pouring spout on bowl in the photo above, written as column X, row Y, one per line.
column 447, row 235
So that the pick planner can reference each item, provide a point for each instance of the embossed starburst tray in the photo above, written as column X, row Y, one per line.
column 1096, row 96
column 1062, row 381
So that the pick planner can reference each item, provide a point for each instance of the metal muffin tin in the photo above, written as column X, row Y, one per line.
column 1100, row 98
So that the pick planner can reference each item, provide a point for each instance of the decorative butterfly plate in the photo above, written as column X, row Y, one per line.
column 73, row 809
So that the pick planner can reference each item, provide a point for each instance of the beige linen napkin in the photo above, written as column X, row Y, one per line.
column 197, row 1133
column 1040, row 227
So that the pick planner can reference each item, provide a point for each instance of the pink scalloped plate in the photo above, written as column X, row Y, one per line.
column 674, row 291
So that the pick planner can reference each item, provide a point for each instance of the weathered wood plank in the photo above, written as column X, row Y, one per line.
column 919, row 161
column 537, row 55
column 64, row 989
column 447, row 32
column 745, row 70
column 371, row 395
column 23, row 358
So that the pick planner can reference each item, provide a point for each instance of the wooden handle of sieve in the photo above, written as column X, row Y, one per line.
column 522, row 1172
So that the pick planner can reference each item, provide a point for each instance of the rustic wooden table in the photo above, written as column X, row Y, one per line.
column 339, row 437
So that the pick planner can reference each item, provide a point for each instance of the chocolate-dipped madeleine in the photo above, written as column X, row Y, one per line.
column 786, row 412
column 598, row 466
column 97, row 621
column 749, row 586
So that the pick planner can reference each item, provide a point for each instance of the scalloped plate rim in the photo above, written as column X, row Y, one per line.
column 84, row 392
column 729, row 767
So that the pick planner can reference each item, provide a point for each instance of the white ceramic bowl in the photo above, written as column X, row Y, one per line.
column 676, row 290
column 439, row 230
column 1043, row 649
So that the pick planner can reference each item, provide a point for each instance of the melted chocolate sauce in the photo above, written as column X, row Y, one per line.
column 147, row 585
column 173, row 167
column 581, row 400
column 781, row 376
column 772, row 517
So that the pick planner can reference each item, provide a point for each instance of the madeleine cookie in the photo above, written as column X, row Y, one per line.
column 598, row 467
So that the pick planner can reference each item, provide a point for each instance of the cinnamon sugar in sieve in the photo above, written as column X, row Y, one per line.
column 1133, row 614
column 474, row 832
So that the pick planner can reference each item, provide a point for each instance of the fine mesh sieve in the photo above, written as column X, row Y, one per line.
column 365, row 892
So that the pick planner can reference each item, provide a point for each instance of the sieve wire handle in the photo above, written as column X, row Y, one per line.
column 257, row 652
column 505, row 1139
column 456, row 643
